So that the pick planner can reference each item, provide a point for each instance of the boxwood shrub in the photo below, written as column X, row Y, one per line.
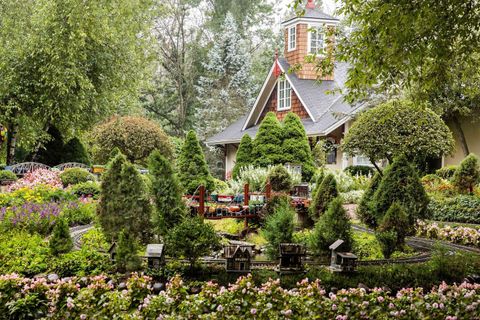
column 75, row 175
column 463, row 208
column 446, row 172
column 86, row 189
column 7, row 175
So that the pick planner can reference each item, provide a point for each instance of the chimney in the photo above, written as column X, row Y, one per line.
column 310, row 4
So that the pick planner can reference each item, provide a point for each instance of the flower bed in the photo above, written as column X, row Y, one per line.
column 37, row 177
column 75, row 298
column 459, row 234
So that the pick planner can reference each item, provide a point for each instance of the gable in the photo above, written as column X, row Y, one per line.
column 271, row 106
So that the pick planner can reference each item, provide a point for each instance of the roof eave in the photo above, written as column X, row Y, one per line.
column 296, row 20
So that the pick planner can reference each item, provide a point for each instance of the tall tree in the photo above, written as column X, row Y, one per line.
column 225, row 91
column 69, row 62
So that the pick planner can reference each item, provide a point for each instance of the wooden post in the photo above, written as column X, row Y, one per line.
column 201, row 201
column 268, row 191
column 246, row 194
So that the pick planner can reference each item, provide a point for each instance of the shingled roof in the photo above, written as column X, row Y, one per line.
column 311, row 14
column 323, row 101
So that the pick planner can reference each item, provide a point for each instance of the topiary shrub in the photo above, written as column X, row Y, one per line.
column 388, row 242
column 75, row 151
column 467, row 175
column 280, row 179
column 86, row 189
column 360, row 170
column 279, row 228
column 366, row 209
column 126, row 258
column 267, row 146
column 136, row 137
column 61, row 241
column 447, row 172
column 73, row 176
column 332, row 225
column 7, row 175
column 244, row 155
column 400, row 183
column 325, row 193
column 396, row 219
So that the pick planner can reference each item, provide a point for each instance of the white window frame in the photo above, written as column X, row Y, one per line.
column 357, row 161
column 292, row 38
column 284, row 95
column 310, row 34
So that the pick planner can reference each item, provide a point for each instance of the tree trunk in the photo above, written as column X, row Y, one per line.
column 377, row 167
column 457, row 127
column 12, row 129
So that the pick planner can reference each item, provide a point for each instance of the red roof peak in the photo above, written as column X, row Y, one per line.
column 310, row 4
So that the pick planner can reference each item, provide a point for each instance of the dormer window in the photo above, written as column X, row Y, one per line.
column 292, row 38
column 284, row 95
column 317, row 41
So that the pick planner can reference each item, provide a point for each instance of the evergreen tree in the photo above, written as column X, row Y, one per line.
column 192, row 167
column 225, row 92
column 396, row 220
column 169, row 207
column 366, row 210
column 279, row 228
column 280, row 179
column 467, row 175
column 326, row 192
column 319, row 154
column 61, row 241
column 401, row 184
column 387, row 241
column 296, row 149
column 267, row 146
column 52, row 152
column 244, row 155
column 126, row 258
column 332, row 225
column 75, row 151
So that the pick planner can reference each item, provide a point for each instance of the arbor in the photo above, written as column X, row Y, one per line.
column 279, row 228
column 401, row 184
column 280, row 179
column 295, row 146
column 225, row 91
column 61, row 241
column 192, row 238
column 467, row 175
column 135, row 137
column 398, row 127
column 325, row 193
column 67, row 64
column 244, row 155
column 267, row 146
column 192, row 167
column 332, row 225
column 169, row 207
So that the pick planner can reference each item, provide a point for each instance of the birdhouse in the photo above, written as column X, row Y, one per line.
column 238, row 258
column 112, row 251
column 300, row 190
column 291, row 256
column 342, row 261
column 155, row 256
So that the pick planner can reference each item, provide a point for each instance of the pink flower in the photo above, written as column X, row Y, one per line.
column 253, row 311
column 334, row 307
column 380, row 299
column 83, row 316
column 220, row 308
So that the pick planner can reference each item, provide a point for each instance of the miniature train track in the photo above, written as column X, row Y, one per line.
column 77, row 234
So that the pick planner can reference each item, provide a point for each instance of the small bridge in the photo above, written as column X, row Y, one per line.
column 69, row 165
column 21, row 169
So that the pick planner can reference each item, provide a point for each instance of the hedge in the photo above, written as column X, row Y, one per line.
column 463, row 208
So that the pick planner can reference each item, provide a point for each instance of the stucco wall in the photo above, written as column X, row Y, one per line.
column 472, row 135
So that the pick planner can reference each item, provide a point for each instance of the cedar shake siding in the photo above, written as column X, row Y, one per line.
column 296, row 108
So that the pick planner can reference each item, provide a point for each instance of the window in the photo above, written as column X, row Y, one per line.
column 284, row 95
column 292, row 38
column 317, row 40
column 362, row 161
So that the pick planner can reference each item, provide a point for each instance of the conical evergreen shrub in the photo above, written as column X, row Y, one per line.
column 295, row 146
column 387, row 241
column 366, row 210
column 396, row 219
column 244, row 155
column 126, row 258
column 330, row 227
column 280, row 179
column 61, row 241
column 400, row 183
column 169, row 207
column 326, row 192
column 75, row 151
column 279, row 228
column 267, row 146
column 192, row 167
column 467, row 175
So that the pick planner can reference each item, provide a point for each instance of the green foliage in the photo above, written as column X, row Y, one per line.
column 330, row 227
column 81, row 263
column 295, row 146
column 467, row 175
column 192, row 167
column 360, row 170
column 273, row 204
column 401, row 184
column 51, row 153
column 388, row 242
column 366, row 209
column 74, row 151
column 279, row 228
column 267, row 146
column 463, row 208
column 79, row 213
column 396, row 219
column 280, row 179
column 126, row 258
column 86, row 189
column 244, row 155
column 319, row 154
column 398, row 127
column 446, row 172
column 135, row 137
column 191, row 239
column 325, row 193
column 7, row 175
column 61, row 241
column 73, row 176
column 352, row 197
column 169, row 207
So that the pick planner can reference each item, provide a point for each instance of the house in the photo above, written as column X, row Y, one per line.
column 291, row 256
column 238, row 258
column 341, row 261
column 319, row 104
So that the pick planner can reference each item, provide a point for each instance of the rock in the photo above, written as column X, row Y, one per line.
column 158, row 286
column 52, row 277
column 362, row 286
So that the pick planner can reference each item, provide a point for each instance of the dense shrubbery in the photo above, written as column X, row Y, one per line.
column 322, row 196
column 75, row 176
column 244, row 155
column 465, row 209
column 446, row 172
column 280, row 179
column 352, row 197
column 267, row 146
column 86, row 189
column 467, row 175
column 37, row 194
column 7, row 175
column 37, row 177
column 60, row 241
column 279, row 228
column 360, row 170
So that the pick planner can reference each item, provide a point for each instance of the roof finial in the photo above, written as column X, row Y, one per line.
column 310, row 4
